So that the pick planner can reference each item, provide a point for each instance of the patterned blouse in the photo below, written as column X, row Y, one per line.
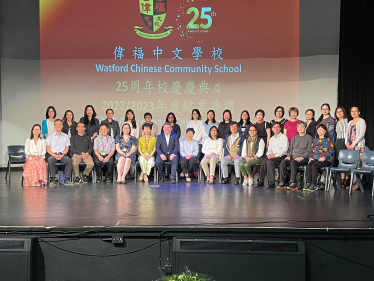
column 147, row 146
column 126, row 147
column 330, row 124
column 322, row 148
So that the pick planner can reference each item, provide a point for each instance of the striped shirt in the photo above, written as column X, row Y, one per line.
column 341, row 129
column 187, row 148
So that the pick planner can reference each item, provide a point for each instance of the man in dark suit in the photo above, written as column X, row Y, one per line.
column 167, row 147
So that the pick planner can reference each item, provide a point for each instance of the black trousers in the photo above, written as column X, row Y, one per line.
column 268, row 167
column 188, row 164
column 293, row 164
column 98, row 166
column 312, row 170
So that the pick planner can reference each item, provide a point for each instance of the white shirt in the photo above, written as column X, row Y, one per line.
column 261, row 147
column 200, row 134
column 212, row 146
column 167, row 137
column 278, row 145
column 31, row 148
column 57, row 143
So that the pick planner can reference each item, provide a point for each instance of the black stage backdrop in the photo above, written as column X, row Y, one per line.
column 356, row 61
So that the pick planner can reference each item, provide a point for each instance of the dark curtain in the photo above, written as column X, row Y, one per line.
column 356, row 61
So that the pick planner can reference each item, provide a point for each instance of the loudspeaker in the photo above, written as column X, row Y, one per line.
column 15, row 258
column 226, row 259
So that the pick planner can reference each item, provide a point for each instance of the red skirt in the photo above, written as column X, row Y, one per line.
column 35, row 170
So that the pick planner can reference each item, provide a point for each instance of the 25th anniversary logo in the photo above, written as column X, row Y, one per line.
column 153, row 14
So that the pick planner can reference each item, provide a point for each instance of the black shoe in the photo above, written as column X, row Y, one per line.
column 313, row 187
column 271, row 184
column 98, row 179
column 109, row 179
column 237, row 181
column 161, row 179
column 85, row 178
column 77, row 180
column 281, row 185
column 292, row 186
column 225, row 180
column 167, row 175
column 173, row 181
column 306, row 187
column 260, row 183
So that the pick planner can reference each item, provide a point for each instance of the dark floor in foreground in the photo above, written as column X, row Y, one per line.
column 182, row 204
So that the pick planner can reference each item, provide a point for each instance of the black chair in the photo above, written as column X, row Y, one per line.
column 167, row 163
column 16, row 155
column 57, row 165
column 103, row 164
column 201, row 175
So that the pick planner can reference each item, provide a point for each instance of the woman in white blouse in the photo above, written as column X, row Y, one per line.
column 35, row 168
column 212, row 148
column 252, row 151
column 197, row 124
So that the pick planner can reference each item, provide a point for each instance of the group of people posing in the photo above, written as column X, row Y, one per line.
column 252, row 147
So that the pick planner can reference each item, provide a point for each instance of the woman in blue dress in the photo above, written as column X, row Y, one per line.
column 126, row 146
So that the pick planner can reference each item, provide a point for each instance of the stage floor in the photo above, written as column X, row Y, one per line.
column 180, row 205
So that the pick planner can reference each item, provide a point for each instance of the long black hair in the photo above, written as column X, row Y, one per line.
column 32, row 135
column 311, row 110
column 133, row 122
column 85, row 116
column 198, row 113
column 210, row 130
column 167, row 116
column 214, row 117
column 321, row 117
column 124, row 126
column 223, row 114
column 241, row 119
column 48, row 108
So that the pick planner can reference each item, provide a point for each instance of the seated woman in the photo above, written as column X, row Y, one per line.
column 90, row 122
column 210, row 121
column 147, row 150
column 69, row 126
column 170, row 118
column 244, row 123
column 253, row 149
column 320, row 156
column 189, row 150
column 126, row 152
column 290, row 127
column 279, row 117
column 48, row 124
column 212, row 148
column 35, row 168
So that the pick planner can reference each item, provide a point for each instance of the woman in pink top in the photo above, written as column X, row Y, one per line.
column 290, row 127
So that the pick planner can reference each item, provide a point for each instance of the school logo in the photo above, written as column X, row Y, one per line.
column 153, row 13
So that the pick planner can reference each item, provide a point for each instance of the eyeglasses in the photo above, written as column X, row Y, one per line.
column 252, row 130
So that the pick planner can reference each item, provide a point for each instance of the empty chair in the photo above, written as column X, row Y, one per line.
column 367, row 168
column 16, row 155
column 348, row 159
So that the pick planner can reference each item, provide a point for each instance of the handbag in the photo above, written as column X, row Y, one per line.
column 61, row 178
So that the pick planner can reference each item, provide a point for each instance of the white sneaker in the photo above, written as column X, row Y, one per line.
column 250, row 181
column 245, row 182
